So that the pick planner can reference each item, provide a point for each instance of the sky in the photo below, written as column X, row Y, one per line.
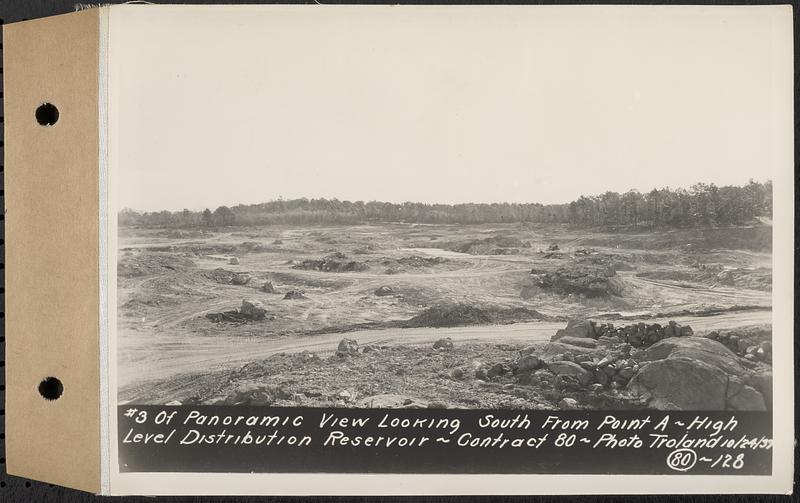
column 239, row 105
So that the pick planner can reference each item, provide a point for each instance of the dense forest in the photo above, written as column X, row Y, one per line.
column 700, row 205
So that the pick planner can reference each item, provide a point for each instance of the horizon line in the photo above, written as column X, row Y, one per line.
column 365, row 201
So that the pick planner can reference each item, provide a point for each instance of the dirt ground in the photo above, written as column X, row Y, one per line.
column 168, row 282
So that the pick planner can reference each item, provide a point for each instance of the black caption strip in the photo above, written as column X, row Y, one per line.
column 307, row 440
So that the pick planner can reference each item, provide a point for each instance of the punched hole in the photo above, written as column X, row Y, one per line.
column 47, row 114
column 51, row 388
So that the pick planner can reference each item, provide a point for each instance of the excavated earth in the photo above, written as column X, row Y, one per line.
column 586, row 365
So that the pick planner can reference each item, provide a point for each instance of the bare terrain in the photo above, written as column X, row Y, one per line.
column 185, row 335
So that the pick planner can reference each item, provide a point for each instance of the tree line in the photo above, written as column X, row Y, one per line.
column 700, row 205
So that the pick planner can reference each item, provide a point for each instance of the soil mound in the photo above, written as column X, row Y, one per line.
column 415, row 262
column 606, row 260
column 384, row 291
column 454, row 315
column 494, row 245
column 250, row 310
column 335, row 262
column 514, row 314
column 226, row 277
column 147, row 264
column 450, row 316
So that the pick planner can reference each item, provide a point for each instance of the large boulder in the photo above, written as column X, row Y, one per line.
column 681, row 384
column 528, row 362
column 445, row 343
column 497, row 369
column 564, row 368
column 583, row 342
column 347, row 347
column 578, row 329
column 568, row 404
column 536, row 347
column 694, row 373
column 699, row 349
column 743, row 397
column 761, row 380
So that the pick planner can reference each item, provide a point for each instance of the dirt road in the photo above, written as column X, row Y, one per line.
column 159, row 357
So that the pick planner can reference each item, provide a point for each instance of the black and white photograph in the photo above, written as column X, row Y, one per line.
column 386, row 250
column 528, row 218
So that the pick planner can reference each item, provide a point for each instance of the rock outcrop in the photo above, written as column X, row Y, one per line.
column 695, row 373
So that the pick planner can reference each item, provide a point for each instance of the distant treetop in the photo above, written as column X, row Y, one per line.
column 700, row 205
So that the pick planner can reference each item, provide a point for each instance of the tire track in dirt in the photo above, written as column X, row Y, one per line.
column 736, row 293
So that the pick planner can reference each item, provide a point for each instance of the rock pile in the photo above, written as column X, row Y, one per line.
column 253, row 310
column 752, row 345
column 294, row 295
column 579, row 279
column 578, row 370
column 250, row 310
column 637, row 335
column 664, row 367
